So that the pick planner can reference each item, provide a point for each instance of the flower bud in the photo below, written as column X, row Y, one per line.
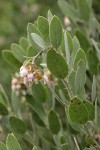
column 23, row 72
column 13, row 87
column 18, row 87
column 14, row 81
column 38, row 74
column 30, row 76
column 25, row 80
column 67, row 21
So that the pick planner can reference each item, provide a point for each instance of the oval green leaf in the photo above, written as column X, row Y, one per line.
column 17, row 125
column 38, row 40
column 3, row 109
column 91, row 109
column 18, row 52
column 91, row 55
column 57, row 64
column 80, row 77
column 54, row 122
column 12, row 143
column 82, row 39
column 55, row 32
column 10, row 59
column 2, row 146
column 43, row 26
column 80, row 54
column 77, row 111
column 39, row 92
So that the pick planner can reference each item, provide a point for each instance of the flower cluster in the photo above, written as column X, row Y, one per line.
column 30, row 74
column 17, row 85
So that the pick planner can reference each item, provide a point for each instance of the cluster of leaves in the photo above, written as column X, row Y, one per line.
column 87, row 29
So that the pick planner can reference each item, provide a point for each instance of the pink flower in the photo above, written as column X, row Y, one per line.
column 25, row 80
column 14, row 81
column 23, row 72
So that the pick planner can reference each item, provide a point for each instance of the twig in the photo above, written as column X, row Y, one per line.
column 68, row 88
column 76, row 143
column 40, row 53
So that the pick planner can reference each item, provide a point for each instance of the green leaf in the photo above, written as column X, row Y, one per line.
column 37, row 119
column 57, row 64
column 18, row 52
column 31, row 51
column 10, row 59
column 80, row 77
column 68, row 9
column 93, row 94
column 39, row 92
column 82, row 39
column 47, row 135
column 84, row 9
column 2, row 146
column 77, row 111
column 3, row 97
column 91, row 109
column 36, row 106
column 54, row 122
column 70, row 42
column 79, row 55
column 38, row 40
column 49, row 16
column 15, row 102
column 71, row 82
column 12, row 143
column 68, row 45
column 17, row 125
column 43, row 26
column 76, row 45
column 62, row 46
column 3, row 109
column 55, row 32
column 67, row 50
column 91, row 55
column 74, row 125
column 23, row 43
column 31, row 28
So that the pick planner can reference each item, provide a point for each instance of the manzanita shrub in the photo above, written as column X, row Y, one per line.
column 49, row 107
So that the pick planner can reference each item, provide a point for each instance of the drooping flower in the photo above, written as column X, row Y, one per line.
column 30, row 74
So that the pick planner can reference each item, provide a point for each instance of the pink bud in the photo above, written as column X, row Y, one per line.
column 30, row 76
column 23, row 72
column 13, row 87
column 14, row 81
column 22, row 67
column 18, row 87
column 25, row 81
